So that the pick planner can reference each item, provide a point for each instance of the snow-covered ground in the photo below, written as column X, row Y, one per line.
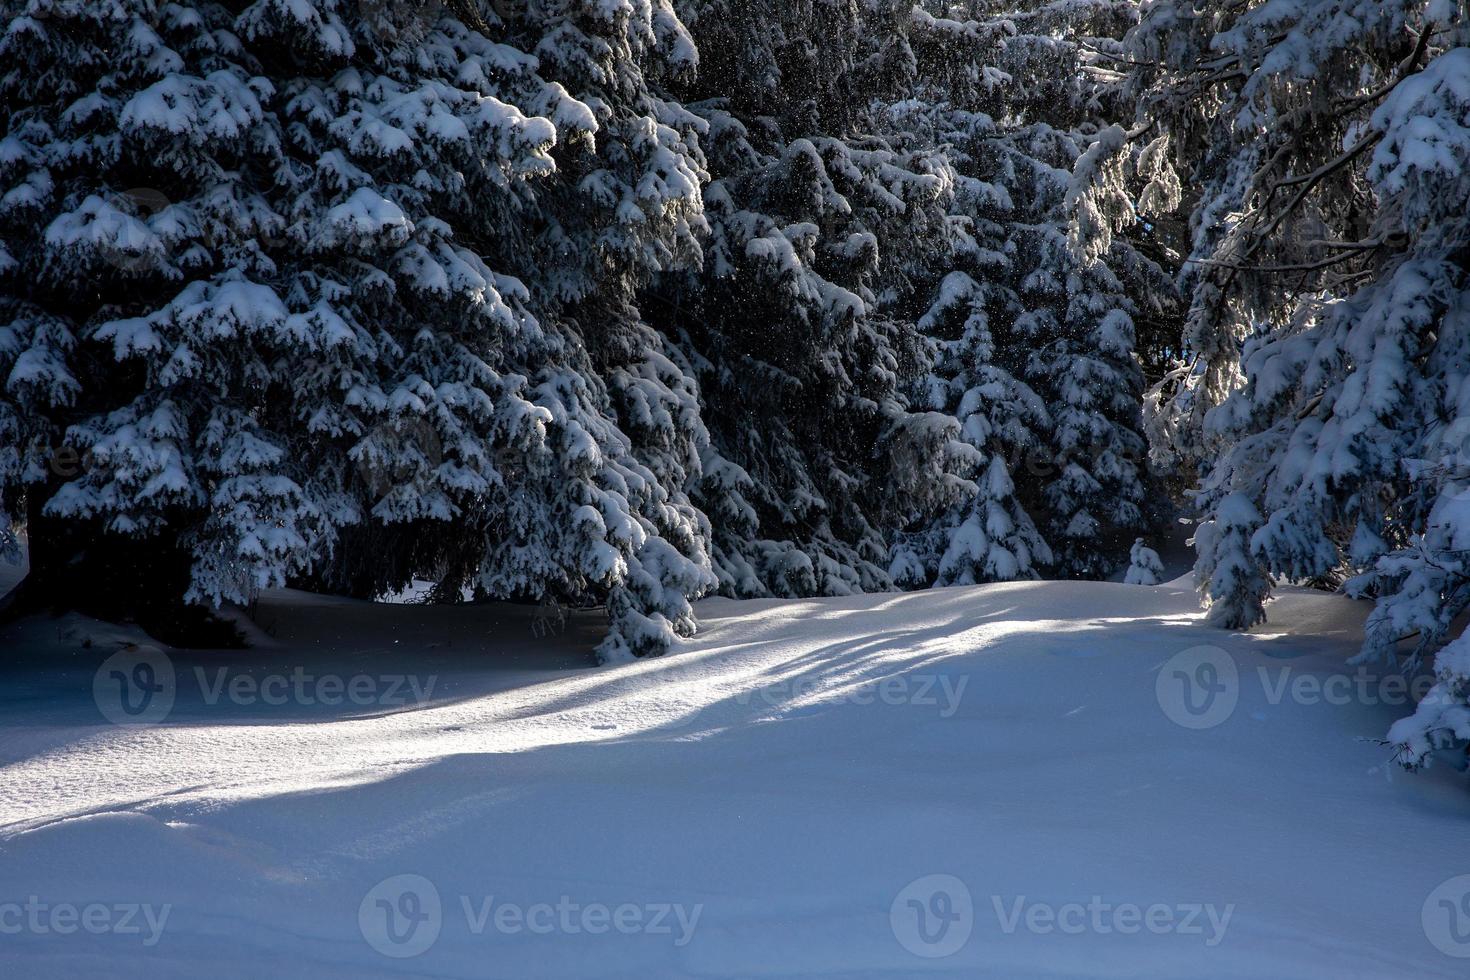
column 1035, row 780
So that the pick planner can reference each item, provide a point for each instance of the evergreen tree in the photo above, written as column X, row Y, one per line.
column 988, row 535
column 1144, row 565
column 801, row 358
column 320, row 327
column 1041, row 370
column 563, row 300
column 1329, row 142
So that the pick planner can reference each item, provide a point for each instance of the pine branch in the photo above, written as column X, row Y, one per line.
column 1349, row 251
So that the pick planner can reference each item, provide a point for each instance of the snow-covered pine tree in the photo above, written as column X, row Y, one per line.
column 1327, row 146
column 987, row 535
column 1144, row 565
column 815, row 217
column 1043, row 372
column 308, row 322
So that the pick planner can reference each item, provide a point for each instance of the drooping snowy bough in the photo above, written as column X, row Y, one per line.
column 1326, row 394
column 303, row 291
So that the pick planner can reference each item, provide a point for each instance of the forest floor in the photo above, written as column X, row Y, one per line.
column 1019, row 780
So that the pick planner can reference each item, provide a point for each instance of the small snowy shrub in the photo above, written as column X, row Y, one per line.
column 1144, row 567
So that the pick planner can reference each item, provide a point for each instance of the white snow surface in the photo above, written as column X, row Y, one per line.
column 785, row 776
